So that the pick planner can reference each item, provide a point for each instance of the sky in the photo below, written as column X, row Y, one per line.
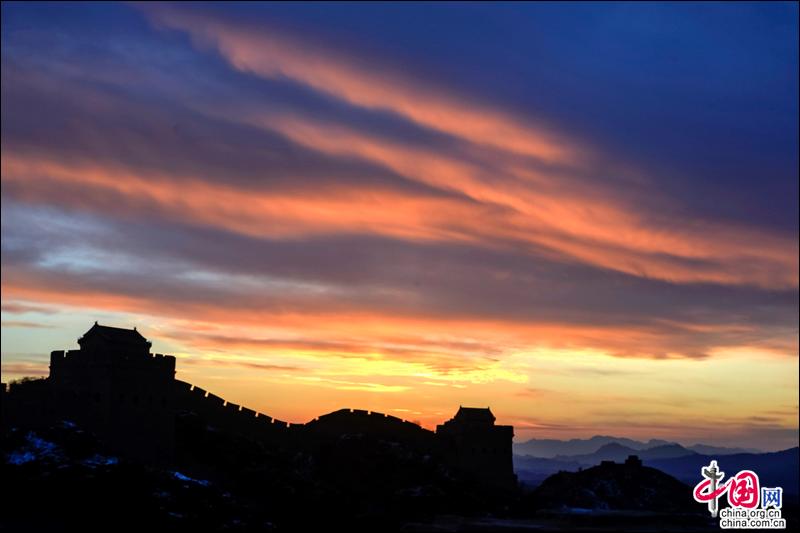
column 584, row 216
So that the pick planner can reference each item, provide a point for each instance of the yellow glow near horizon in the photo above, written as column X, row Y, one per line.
column 311, row 222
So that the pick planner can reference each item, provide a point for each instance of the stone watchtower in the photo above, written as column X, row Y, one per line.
column 474, row 444
column 116, row 388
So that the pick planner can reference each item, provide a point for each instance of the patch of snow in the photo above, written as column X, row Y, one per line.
column 181, row 477
column 579, row 510
column 100, row 460
column 35, row 448
column 40, row 445
column 20, row 458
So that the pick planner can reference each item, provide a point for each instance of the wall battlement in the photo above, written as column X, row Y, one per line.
column 155, row 363
column 223, row 414
column 129, row 397
column 371, row 415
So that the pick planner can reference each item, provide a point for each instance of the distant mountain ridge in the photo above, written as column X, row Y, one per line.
column 614, row 451
column 551, row 448
column 774, row 469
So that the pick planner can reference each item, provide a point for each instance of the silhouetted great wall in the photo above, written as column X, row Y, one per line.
column 130, row 398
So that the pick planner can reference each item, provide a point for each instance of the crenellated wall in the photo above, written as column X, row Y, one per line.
column 374, row 424
column 218, row 413
column 224, row 414
column 130, row 399
column 229, row 416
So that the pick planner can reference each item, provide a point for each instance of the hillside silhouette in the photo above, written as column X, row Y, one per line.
column 774, row 468
column 111, row 433
column 113, row 399
column 614, row 486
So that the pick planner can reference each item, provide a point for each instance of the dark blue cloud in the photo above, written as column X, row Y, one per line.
column 702, row 98
column 703, row 95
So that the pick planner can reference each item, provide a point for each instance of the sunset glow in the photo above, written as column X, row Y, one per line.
column 314, row 216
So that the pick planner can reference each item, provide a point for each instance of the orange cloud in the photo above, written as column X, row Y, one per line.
column 274, row 54
column 442, row 343
column 603, row 231
column 491, row 182
column 571, row 227
column 253, row 213
column 531, row 207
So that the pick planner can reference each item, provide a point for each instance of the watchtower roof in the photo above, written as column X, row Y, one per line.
column 114, row 335
column 482, row 415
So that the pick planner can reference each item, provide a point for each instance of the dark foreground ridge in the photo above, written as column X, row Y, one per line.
column 111, row 440
column 614, row 486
